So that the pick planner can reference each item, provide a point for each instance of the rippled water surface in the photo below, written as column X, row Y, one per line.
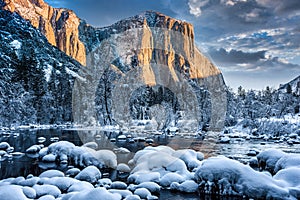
column 21, row 164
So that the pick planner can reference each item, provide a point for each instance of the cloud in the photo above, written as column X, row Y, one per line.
column 280, row 6
column 236, row 56
column 196, row 6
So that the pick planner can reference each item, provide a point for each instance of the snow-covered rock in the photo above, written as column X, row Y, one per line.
column 62, row 183
column 11, row 192
column 286, row 161
column 123, row 193
column 122, row 167
column 107, row 157
column 170, row 178
column 51, row 173
column 96, row 194
column 151, row 186
column 141, row 177
column 133, row 197
column 72, row 172
column 291, row 176
column 268, row 159
column 90, row 174
column 92, row 145
column 233, row 177
column 42, row 190
column 104, row 182
column 190, row 157
column 29, row 192
column 118, row 185
column 49, row 158
column 30, row 181
column 80, row 186
column 33, row 149
column 188, row 186
column 4, row 146
column 143, row 193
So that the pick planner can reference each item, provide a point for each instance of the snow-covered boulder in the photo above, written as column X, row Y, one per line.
column 90, row 174
column 80, row 186
column 42, row 190
column 47, row 197
column 268, row 158
column 30, row 181
column 107, row 157
column 51, row 173
column 4, row 146
column 92, row 145
column 170, row 178
column 96, row 194
column 12, row 192
column 49, row 158
column 118, row 185
column 190, row 157
column 104, row 182
column 151, row 186
column 29, row 192
column 289, row 160
column 233, row 177
column 62, row 183
column 141, row 177
column 123, row 168
column 291, row 176
column 133, row 197
column 72, row 172
column 143, row 193
column 123, row 193
column 188, row 186
column 33, row 149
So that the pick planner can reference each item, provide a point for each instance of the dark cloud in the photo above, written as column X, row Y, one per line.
column 237, row 57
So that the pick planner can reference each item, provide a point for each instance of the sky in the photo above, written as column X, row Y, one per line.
column 255, row 43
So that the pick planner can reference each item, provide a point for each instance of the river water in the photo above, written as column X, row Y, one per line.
column 22, row 165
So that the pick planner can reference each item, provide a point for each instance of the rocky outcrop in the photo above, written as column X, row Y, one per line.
column 155, row 50
column 60, row 26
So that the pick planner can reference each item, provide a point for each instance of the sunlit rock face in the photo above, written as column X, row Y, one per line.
column 151, row 50
column 60, row 26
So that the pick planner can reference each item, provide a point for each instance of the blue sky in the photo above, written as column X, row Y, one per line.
column 254, row 42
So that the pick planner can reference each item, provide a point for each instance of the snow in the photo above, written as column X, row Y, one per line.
column 16, row 44
column 151, row 186
column 118, row 185
column 233, row 177
column 80, row 186
column 122, row 167
column 123, row 193
column 51, row 173
column 48, row 72
column 133, row 197
column 63, row 183
column 42, row 190
column 75, row 75
column 29, row 192
column 49, row 158
column 169, row 178
column 11, row 192
column 4, row 146
column 286, row 161
column 188, row 186
column 90, row 174
column 107, row 157
column 190, row 157
column 291, row 176
column 143, row 193
column 95, row 194
column 104, row 182
column 268, row 158
column 29, row 182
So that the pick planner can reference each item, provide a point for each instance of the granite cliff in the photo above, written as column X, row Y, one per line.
column 60, row 26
